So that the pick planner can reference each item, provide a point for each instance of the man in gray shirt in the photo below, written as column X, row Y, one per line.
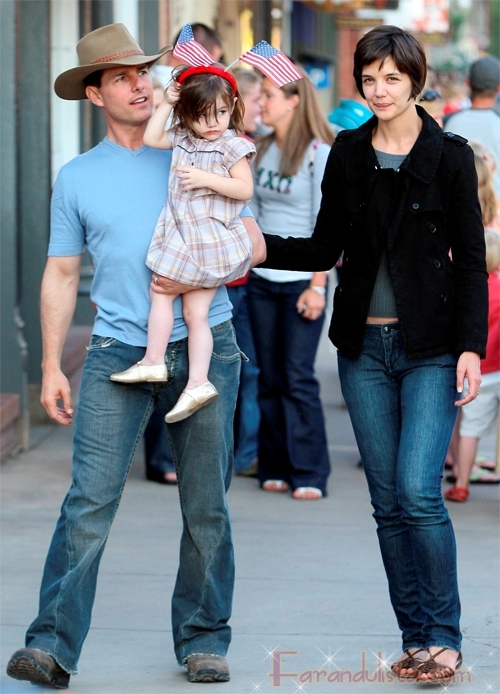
column 481, row 122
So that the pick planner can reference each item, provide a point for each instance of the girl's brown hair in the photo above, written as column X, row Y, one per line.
column 486, row 191
column 389, row 41
column 308, row 123
column 198, row 97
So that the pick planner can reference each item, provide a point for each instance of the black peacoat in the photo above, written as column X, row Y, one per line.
column 426, row 215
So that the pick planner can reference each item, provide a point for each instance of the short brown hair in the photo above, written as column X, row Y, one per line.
column 94, row 79
column 389, row 41
column 199, row 94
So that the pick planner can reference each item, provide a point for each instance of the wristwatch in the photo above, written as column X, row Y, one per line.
column 318, row 289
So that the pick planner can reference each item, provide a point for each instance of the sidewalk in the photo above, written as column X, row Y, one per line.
column 309, row 579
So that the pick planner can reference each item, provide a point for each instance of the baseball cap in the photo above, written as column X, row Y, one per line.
column 485, row 73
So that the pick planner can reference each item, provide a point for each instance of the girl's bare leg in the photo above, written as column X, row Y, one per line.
column 466, row 456
column 160, row 325
column 195, row 307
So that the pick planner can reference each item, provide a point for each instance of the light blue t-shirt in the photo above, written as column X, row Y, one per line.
column 109, row 200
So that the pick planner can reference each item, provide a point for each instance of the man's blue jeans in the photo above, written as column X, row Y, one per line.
column 247, row 415
column 403, row 415
column 109, row 423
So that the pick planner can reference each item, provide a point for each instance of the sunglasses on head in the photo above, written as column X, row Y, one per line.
column 430, row 95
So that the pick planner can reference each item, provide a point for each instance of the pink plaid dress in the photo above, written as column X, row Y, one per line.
column 199, row 238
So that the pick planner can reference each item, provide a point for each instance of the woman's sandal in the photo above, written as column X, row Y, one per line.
column 307, row 493
column 275, row 486
column 460, row 494
column 431, row 667
column 408, row 663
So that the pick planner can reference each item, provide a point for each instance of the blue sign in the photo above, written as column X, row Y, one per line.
column 319, row 72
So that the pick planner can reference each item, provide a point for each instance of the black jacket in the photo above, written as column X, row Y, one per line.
column 418, row 213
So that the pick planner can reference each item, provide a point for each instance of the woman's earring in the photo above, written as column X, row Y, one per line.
column 288, row 108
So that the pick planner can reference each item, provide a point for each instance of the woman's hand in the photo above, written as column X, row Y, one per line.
column 311, row 305
column 468, row 367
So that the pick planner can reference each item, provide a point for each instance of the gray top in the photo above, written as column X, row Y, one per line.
column 288, row 206
column 480, row 125
column 383, row 302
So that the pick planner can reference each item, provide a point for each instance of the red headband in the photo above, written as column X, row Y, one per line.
column 210, row 69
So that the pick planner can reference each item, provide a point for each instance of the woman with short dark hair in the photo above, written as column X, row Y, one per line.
column 410, row 324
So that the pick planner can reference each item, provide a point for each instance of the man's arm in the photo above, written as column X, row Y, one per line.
column 58, row 301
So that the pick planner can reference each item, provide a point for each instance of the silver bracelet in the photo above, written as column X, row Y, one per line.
column 318, row 289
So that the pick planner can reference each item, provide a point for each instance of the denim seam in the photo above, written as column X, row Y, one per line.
column 56, row 611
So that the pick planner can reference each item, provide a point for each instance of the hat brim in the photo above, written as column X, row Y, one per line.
column 69, row 85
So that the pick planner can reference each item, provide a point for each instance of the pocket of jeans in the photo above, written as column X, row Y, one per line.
column 228, row 358
column 97, row 342
column 225, row 346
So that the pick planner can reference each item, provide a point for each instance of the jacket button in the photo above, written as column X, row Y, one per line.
column 415, row 206
column 450, row 134
column 432, row 228
column 437, row 263
column 443, row 298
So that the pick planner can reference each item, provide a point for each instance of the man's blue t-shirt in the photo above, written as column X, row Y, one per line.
column 109, row 200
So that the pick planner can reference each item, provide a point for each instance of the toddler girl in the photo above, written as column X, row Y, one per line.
column 199, row 239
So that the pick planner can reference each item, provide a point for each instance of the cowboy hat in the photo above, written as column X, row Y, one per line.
column 110, row 46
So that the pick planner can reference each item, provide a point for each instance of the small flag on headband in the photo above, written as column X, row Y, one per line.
column 191, row 51
column 273, row 63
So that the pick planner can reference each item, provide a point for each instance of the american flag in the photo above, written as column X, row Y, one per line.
column 191, row 51
column 273, row 63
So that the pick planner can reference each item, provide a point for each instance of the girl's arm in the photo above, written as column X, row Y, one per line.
column 239, row 186
column 155, row 135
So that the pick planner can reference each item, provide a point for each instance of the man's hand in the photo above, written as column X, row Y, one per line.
column 191, row 177
column 55, row 386
column 162, row 285
column 468, row 367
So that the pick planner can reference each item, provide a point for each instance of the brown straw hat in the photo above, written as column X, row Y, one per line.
column 110, row 46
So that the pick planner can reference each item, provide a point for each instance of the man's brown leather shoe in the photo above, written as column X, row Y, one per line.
column 37, row 667
column 207, row 668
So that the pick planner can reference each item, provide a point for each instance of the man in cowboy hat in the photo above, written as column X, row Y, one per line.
column 108, row 200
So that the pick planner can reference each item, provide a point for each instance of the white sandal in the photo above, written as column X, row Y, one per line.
column 307, row 493
column 275, row 486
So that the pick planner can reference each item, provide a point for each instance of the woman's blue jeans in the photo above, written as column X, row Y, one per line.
column 292, row 438
column 109, row 423
column 403, row 415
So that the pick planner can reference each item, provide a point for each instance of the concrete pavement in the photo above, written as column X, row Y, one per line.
column 309, row 582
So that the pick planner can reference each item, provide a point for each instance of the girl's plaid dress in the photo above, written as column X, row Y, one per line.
column 199, row 238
